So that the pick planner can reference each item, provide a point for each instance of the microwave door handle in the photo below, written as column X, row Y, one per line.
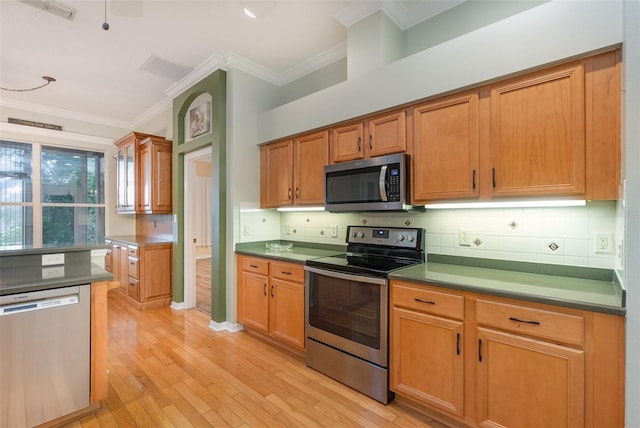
column 382, row 183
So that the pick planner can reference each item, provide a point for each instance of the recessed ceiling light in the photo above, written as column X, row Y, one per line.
column 250, row 14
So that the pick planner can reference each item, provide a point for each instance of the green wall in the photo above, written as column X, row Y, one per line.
column 215, row 85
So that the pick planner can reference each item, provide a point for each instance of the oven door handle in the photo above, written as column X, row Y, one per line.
column 346, row 276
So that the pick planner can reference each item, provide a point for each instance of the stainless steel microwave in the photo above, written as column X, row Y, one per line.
column 374, row 184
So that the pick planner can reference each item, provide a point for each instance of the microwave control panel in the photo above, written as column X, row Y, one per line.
column 394, row 183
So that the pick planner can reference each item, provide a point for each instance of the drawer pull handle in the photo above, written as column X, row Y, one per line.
column 253, row 266
column 458, row 343
column 285, row 272
column 430, row 302
column 523, row 321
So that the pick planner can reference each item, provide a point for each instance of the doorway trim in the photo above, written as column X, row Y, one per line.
column 189, row 247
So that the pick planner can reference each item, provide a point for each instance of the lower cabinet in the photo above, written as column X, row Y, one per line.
column 495, row 362
column 426, row 347
column 143, row 271
column 271, row 298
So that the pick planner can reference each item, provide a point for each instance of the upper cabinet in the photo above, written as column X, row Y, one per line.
column 143, row 171
column 379, row 135
column 537, row 134
column 292, row 171
column 445, row 156
column 550, row 133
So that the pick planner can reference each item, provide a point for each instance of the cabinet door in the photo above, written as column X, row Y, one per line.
column 528, row 383
column 537, row 134
column 445, row 149
column 347, row 142
column 310, row 155
column 123, row 268
column 155, row 267
column 386, row 134
column 276, row 174
column 155, row 177
column 253, row 303
column 286, row 311
column 426, row 361
column 121, row 179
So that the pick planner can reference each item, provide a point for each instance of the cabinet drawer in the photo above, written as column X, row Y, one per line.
column 252, row 264
column 134, row 268
column 428, row 301
column 288, row 271
column 133, row 251
column 534, row 322
column 133, row 289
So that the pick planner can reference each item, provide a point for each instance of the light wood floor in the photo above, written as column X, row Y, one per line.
column 167, row 368
column 203, row 285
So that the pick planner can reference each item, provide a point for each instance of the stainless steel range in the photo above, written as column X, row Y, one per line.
column 347, row 306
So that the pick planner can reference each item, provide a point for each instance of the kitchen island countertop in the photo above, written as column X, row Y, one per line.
column 22, row 271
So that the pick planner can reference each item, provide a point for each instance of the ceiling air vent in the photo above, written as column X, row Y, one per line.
column 164, row 68
column 51, row 6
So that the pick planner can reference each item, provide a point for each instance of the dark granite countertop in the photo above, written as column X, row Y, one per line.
column 299, row 253
column 22, row 271
column 138, row 240
column 581, row 288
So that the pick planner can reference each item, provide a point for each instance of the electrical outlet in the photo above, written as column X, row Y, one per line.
column 52, row 272
column 52, row 259
column 464, row 237
column 247, row 230
column 604, row 243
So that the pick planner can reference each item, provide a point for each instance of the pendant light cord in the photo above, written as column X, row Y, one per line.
column 48, row 80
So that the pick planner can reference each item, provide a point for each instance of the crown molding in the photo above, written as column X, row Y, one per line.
column 356, row 12
column 315, row 63
column 38, row 108
column 235, row 61
column 208, row 66
column 30, row 132
column 163, row 105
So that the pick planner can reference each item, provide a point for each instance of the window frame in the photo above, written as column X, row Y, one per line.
column 38, row 138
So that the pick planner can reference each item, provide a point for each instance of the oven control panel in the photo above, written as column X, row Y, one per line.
column 385, row 236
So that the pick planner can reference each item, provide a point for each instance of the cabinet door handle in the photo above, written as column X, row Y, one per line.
column 524, row 321
column 370, row 142
column 480, row 350
column 430, row 302
column 493, row 177
column 458, row 343
column 264, row 290
column 272, row 290
column 359, row 141
column 289, row 193
column 297, row 193
column 473, row 179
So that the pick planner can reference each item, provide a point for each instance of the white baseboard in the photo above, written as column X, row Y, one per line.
column 178, row 306
column 225, row 326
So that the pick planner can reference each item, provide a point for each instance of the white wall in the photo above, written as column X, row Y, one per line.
column 631, row 174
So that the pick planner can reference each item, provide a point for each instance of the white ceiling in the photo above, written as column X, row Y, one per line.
column 98, row 72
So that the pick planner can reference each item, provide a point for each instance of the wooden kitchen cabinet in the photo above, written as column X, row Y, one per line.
column 523, row 363
column 143, row 271
column 376, row 136
column 427, row 358
column 445, row 161
column 292, row 171
column 271, row 298
column 537, row 133
column 143, row 174
column 523, row 379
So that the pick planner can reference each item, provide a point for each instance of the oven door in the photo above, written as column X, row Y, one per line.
column 349, row 312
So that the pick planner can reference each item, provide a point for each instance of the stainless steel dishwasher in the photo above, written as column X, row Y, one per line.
column 44, row 355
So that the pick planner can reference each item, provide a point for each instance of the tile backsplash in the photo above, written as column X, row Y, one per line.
column 565, row 236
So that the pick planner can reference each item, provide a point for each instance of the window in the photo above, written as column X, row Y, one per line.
column 50, row 196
